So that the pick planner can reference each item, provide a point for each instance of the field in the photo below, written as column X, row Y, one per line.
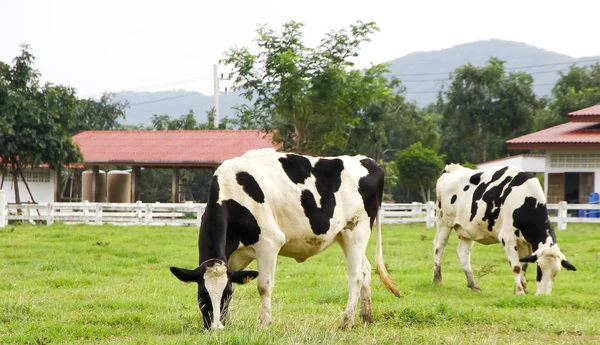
column 111, row 285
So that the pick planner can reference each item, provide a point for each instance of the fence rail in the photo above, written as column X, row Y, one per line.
column 190, row 213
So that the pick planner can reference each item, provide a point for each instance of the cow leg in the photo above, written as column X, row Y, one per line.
column 439, row 245
column 464, row 255
column 523, row 251
column 512, row 254
column 366, row 314
column 354, row 244
column 266, row 262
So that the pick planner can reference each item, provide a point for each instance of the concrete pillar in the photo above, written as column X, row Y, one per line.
column 175, row 187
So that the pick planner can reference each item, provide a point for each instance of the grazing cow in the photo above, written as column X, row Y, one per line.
column 264, row 204
column 505, row 206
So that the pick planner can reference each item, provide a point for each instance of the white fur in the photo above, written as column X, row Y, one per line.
column 215, row 280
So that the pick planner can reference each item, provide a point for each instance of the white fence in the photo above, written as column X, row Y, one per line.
column 190, row 213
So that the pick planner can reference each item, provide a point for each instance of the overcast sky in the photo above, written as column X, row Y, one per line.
column 115, row 45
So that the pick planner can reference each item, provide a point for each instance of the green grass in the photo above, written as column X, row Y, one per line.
column 111, row 285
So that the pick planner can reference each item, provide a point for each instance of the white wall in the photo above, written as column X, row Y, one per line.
column 40, row 181
column 526, row 163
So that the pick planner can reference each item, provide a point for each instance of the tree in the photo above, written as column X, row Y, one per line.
column 391, row 124
column 102, row 114
column 575, row 90
column 483, row 108
column 309, row 97
column 36, row 120
column 419, row 169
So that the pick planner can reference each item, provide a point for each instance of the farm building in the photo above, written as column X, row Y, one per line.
column 571, row 159
column 171, row 149
column 41, row 182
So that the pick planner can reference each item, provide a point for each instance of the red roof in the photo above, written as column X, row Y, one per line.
column 591, row 114
column 571, row 135
column 168, row 148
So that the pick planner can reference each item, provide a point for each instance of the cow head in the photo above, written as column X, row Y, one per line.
column 549, row 260
column 215, row 288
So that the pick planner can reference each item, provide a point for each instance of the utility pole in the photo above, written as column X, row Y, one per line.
column 216, row 80
column 216, row 86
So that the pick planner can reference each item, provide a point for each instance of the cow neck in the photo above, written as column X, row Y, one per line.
column 212, row 239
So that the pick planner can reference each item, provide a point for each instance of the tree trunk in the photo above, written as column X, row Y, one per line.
column 15, row 175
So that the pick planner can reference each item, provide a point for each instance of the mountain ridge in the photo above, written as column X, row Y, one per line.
column 423, row 74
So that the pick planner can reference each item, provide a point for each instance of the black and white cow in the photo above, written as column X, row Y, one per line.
column 266, row 203
column 505, row 206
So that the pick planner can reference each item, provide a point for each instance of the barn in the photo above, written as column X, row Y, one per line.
column 570, row 159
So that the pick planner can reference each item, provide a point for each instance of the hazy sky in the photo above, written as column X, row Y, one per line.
column 115, row 45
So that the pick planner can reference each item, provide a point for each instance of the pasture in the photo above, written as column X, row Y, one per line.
column 111, row 285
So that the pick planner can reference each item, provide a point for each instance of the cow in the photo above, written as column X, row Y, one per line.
column 267, row 203
column 505, row 205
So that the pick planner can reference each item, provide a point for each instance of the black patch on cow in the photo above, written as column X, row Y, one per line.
column 515, row 248
column 539, row 274
column 504, row 244
column 250, row 186
column 296, row 167
column 241, row 226
column 466, row 188
column 517, row 233
column 436, row 251
column 475, row 179
column 532, row 220
column 494, row 197
column 328, row 176
column 493, row 201
column 224, row 226
column 439, row 204
column 498, row 174
column 319, row 221
column 370, row 188
column 453, row 200
column 443, row 172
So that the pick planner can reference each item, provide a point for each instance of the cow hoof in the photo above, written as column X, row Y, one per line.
column 475, row 288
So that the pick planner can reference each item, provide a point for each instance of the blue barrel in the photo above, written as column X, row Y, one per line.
column 594, row 199
column 581, row 213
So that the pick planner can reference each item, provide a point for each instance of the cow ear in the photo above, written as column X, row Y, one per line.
column 568, row 265
column 186, row 275
column 530, row 258
column 242, row 277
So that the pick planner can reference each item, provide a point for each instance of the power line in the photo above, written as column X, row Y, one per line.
column 508, row 68
column 404, row 81
column 163, row 99
column 428, row 92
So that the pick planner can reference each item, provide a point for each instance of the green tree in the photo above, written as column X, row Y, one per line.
column 311, row 98
column 102, row 114
column 575, row 90
column 484, row 107
column 390, row 124
column 419, row 168
column 36, row 120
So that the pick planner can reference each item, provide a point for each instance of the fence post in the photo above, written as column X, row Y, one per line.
column 148, row 214
column 430, row 214
column 3, row 213
column 98, row 214
column 85, row 212
column 138, row 211
column 50, row 215
column 562, row 216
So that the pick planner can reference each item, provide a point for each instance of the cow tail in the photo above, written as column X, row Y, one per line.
column 385, row 277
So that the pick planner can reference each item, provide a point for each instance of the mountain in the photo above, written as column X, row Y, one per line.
column 423, row 74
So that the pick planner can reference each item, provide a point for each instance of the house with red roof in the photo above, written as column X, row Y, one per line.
column 572, row 156
column 175, row 149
